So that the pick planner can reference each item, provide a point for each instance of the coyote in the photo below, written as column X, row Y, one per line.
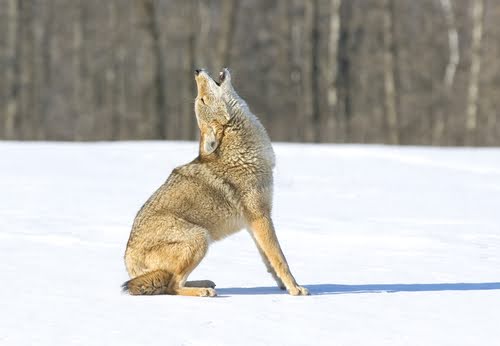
column 226, row 188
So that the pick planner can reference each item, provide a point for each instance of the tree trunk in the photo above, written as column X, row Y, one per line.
column 77, row 75
column 475, row 69
column 454, row 55
column 154, row 31
column 389, row 74
column 308, row 71
column 12, row 72
column 227, row 18
column 332, row 70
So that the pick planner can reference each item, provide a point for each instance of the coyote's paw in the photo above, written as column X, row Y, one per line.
column 207, row 292
column 298, row 291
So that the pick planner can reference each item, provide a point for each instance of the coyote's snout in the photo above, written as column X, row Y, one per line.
column 226, row 188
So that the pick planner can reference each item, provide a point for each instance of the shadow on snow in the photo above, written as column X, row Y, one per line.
column 319, row 289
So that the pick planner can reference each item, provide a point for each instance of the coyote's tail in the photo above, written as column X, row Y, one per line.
column 155, row 282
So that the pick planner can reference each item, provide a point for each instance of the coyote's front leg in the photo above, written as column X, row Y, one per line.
column 268, row 265
column 263, row 232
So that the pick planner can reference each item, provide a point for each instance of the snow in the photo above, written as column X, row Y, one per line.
column 398, row 246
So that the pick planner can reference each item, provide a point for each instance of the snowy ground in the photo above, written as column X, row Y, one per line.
column 398, row 246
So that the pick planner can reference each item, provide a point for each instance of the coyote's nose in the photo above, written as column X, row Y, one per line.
column 197, row 71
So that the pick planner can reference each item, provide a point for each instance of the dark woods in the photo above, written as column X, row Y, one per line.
column 369, row 71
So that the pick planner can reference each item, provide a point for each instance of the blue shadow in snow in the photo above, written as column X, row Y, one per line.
column 321, row 289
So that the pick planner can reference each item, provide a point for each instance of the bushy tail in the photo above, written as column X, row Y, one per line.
column 155, row 282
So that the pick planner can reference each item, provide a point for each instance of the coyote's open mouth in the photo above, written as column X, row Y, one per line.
column 222, row 76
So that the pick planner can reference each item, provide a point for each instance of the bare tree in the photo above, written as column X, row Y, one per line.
column 77, row 66
column 150, row 18
column 454, row 57
column 11, row 71
column 328, row 62
column 475, row 69
column 308, row 71
column 333, row 44
column 227, row 22
column 440, row 118
column 389, row 74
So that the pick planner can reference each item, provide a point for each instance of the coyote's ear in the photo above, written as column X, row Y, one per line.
column 225, row 77
column 209, row 141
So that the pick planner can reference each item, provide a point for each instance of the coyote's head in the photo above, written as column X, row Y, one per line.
column 214, row 107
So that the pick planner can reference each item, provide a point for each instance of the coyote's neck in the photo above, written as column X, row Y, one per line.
column 245, row 146
column 237, row 106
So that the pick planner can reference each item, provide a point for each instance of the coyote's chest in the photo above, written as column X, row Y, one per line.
column 227, row 227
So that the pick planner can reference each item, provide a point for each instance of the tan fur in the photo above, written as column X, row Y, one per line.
column 226, row 188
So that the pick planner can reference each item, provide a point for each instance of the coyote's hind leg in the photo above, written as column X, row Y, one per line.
column 189, row 253
column 180, row 249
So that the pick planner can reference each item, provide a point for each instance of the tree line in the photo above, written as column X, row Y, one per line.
column 421, row 72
